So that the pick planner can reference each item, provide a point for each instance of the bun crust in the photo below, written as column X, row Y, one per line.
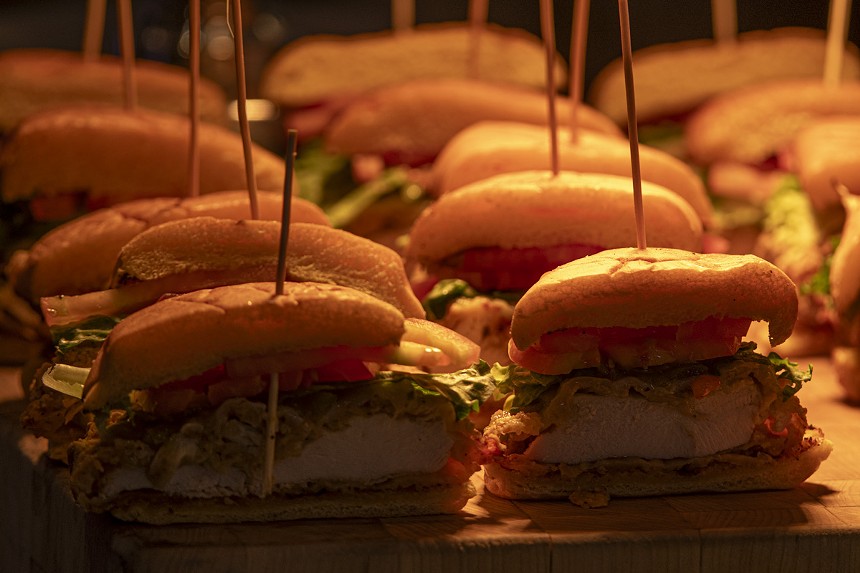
column 572, row 208
column 825, row 151
column 636, row 288
column 195, row 332
column 152, row 508
column 250, row 248
column 36, row 79
column 80, row 256
column 489, row 148
column 316, row 69
column 844, row 279
column 672, row 79
column 416, row 119
column 117, row 155
column 635, row 477
column 751, row 124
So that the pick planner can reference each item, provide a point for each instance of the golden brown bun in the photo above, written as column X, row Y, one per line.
column 152, row 508
column 117, row 155
column 751, row 124
column 844, row 278
column 827, row 150
column 35, row 79
column 489, row 148
column 636, row 288
column 317, row 69
column 635, row 477
column 314, row 253
column 80, row 256
column 416, row 119
column 672, row 79
column 846, row 365
column 535, row 209
column 194, row 332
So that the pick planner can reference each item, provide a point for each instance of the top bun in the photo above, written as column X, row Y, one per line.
column 249, row 249
column 752, row 124
column 79, row 256
column 537, row 209
column 492, row 147
column 637, row 288
column 194, row 332
column 673, row 79
column 825, row 152
column 317, row 69
column 117, row 155
column 844, row 278
column 35, row 79
column 413, row 121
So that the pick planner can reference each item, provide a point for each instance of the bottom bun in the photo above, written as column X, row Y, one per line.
column 160, row 509
column 516, row 477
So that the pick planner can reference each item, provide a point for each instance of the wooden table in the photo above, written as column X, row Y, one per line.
column 813, row 528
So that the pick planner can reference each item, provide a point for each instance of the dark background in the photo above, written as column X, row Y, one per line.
column 270, row 24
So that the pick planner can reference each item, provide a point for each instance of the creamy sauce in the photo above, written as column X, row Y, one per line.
column 602, row 427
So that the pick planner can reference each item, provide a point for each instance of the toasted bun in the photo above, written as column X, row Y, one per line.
column 825, row 152
column 636, row 288
column 536, row 209
column 673, row 79
column 752, row 124
column 116, row 155
column 317, row 69
column 195, row 332
column 844, row 278
column 157, row 509
column 80, row 256
column 411, row 122
column 635, row 477
column 488, row 148
column 315, row 253
column 33, row 80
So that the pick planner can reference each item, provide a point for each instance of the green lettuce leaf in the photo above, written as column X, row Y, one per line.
column 446, row 291
column 93, row 330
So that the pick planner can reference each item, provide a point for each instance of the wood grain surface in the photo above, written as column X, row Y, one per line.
column 815, row 527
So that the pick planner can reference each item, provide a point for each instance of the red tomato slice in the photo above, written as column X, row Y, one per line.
column 495, row 268
column 564, row 350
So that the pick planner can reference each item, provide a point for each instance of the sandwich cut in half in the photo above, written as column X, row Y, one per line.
column 632, row 379
column 179, row 396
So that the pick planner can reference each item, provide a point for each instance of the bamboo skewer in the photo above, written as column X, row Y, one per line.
column 194, row 98
column 578, row 40
column 126, row 36
column 548, row 33
column 478, row 10
column 94, row 29
column 632, row 129
column 241, row 105
column 724, row 20
column 837, row 34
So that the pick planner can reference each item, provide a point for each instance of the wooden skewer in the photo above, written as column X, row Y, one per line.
column 126, row 35
column 194, row 98
column 724, row 20
column 548, row 33
column 241, row 106
column 402, row 15
column 272, row 404
column 94, row 29
column 578, row 40
column 478, row 10
column 632, row 129
column 837, row 33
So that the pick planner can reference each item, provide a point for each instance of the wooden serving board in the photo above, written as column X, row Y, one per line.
column 813, row 528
